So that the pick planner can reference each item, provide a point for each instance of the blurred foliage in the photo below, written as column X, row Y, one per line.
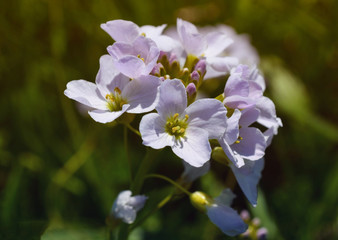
column 60, row 171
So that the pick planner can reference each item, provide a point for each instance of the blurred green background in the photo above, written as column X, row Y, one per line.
column 60, row 171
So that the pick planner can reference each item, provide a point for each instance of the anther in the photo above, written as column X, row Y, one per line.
column 176, row 116
column 117, row 90
column 186, row 117
column 143, row 34
column 174, row 129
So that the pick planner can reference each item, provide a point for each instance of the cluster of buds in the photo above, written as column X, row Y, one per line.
column 254, row 231
column 162, row 75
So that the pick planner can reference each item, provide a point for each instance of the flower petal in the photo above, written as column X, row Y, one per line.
column 173, row 98
column 226, row 219
column 226, row 197
column 121, row 30
column 106, row 74
column 153, row 132
column 194, row 147
column 152, row 31
column 142, row 94
column 191, row 173
column 253, row 144
column 249, row 116
column 107, row 116
column 268, row 117
column 239, row 102
column 233, row 156
column 217, row 43
column 86, row 93
column 222, row 64
column 232, row 130
column 193, row 42
column 208, row 114
column 248, row 177
column 130, row 66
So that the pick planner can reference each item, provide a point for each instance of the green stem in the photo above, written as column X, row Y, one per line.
column 133, row 129
column 142, row 170
column 125, row 141
column 170, row 181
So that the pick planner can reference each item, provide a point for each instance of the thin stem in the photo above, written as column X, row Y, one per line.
column 125, row 141
column 133, row 129
column 142, row 170
column 170, row 181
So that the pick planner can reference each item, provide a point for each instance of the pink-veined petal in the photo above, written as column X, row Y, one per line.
column 248, row 177
column 217, row 43
column 121, row 30
column 152, row 31
column 194, row 147
column 193, row 42
column 142, row 94
column 130, row 66
column 232, row 131
column 107, row 116
column 86, row 93
column 252, row 145
column 173, row 98
column 152, row 129
column 208, row 114
column 249, row 116
column 240, row 102
column 222, row 64
column 232, row 155
column 106, row 74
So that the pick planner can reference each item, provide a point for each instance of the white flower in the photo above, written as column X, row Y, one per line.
column 113, row 94
column 125, row 206
column 186, row 130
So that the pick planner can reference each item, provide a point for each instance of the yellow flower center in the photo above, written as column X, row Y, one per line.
column 176, row 126
column 115, row 101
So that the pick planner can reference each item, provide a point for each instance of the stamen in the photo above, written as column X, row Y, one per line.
column 176, row 116
column 117, row 90
column 239, row 139
column 186, row 117
column 177, row 128
column 143, row 34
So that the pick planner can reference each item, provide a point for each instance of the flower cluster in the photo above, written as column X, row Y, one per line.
column 163, row 75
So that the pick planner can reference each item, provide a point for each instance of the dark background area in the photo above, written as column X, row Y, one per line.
column 61, row 170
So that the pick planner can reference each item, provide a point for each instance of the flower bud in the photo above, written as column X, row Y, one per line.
column 245, row 215
column 262, row 233
column 218, row 155
column 191, row 92
column 200, row 200
column 195, row 77
column 201, row 67
column 157, row 70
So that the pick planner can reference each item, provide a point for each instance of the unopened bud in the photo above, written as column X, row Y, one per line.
column 157, row 70
column 201, row 67
column 191, row 92
column 200, row 200
column 191, row 89
column 195, row 76
column 245, row 215
column 218, row 155
column 262, row 233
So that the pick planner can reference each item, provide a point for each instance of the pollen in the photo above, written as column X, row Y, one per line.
column 176, row 125
column 115, row 100
column 139, row 56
